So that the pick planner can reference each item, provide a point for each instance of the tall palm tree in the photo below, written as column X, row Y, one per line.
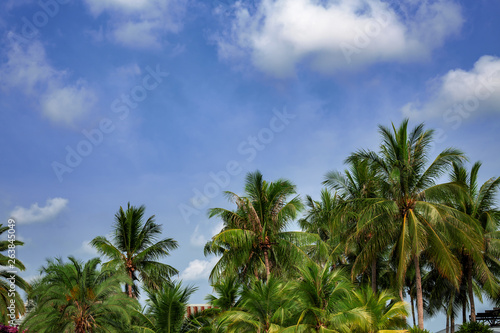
column 255, row 232
column 80, row 298
column 417, row 219
column 360, row 182
column 478, row 202
column 135, row 249
column 322, row 218
column 8, row 264
column 166, row 309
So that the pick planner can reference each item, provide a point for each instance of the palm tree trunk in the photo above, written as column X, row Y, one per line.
column 129, row 286
column 447, row 323
column 471, row 293
column 464, row 309
column 412, row 301
column 420, row 301
column 266, row 262
column 452, row 322
column 374, row 275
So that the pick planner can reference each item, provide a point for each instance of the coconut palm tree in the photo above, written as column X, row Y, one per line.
column 228, row 290
column 254, row 238
column 264, row 307
column 323, row 219
column 387, row 313
column 135, row 249
column 166, row 309
column 417, row 220
column 324, row 301
column 10, row 280
column 77, row 297
column 478, row 202
column 364, row 238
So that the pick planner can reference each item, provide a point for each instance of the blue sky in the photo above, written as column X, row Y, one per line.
column 167, row 103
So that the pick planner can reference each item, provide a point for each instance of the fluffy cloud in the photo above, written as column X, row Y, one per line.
column 66, row 104
column 140, row 23
column 36, row 213
column 28, row 69
column 330, row 35
column 87, row 249
column 459, row 93
column 198, row 239
column 198, row 269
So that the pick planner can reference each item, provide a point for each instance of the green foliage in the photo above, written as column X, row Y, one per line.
column 417, row 330
column 166, row 309
column 135, row 249
column 474, row 327
column 253, row 240
column 77, row 297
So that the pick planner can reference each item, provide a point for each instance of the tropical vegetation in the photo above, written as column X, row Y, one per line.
column 402, row 232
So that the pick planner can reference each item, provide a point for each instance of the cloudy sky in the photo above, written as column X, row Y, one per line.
column 167, row 103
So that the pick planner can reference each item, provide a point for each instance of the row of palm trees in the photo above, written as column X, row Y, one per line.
column 390, row 223
column 385, row 226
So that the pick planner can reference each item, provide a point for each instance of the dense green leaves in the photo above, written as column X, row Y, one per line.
column 135, row 249
column 76, row 297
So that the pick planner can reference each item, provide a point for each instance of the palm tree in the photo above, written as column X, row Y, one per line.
column 264, row 307
column 166, row 308
column 10, row 263
column 478, row 202
column 360, row 182
column 322, row 219
column 135, row 249
column 386, row 312
column 228, row 290
column 409, row 197
column 324, row 300
column 255, row 232
column 77, row 297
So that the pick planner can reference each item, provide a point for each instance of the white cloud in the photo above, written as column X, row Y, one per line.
column 198, row 269
column 140, row 23
column 459, row 93
column 198, row 239
column 331, row 35
column 36, row 213
column 217, row 228
column 28, row 69
column 87, row 249
column 66, row 104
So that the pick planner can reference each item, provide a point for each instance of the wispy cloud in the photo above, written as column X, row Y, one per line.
column 140, row 23
column 87, row 249
column 35, row 213
column 198, row 269
column 62, row 101
column 330, row 35
column 199, row 239
column 460, row 93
